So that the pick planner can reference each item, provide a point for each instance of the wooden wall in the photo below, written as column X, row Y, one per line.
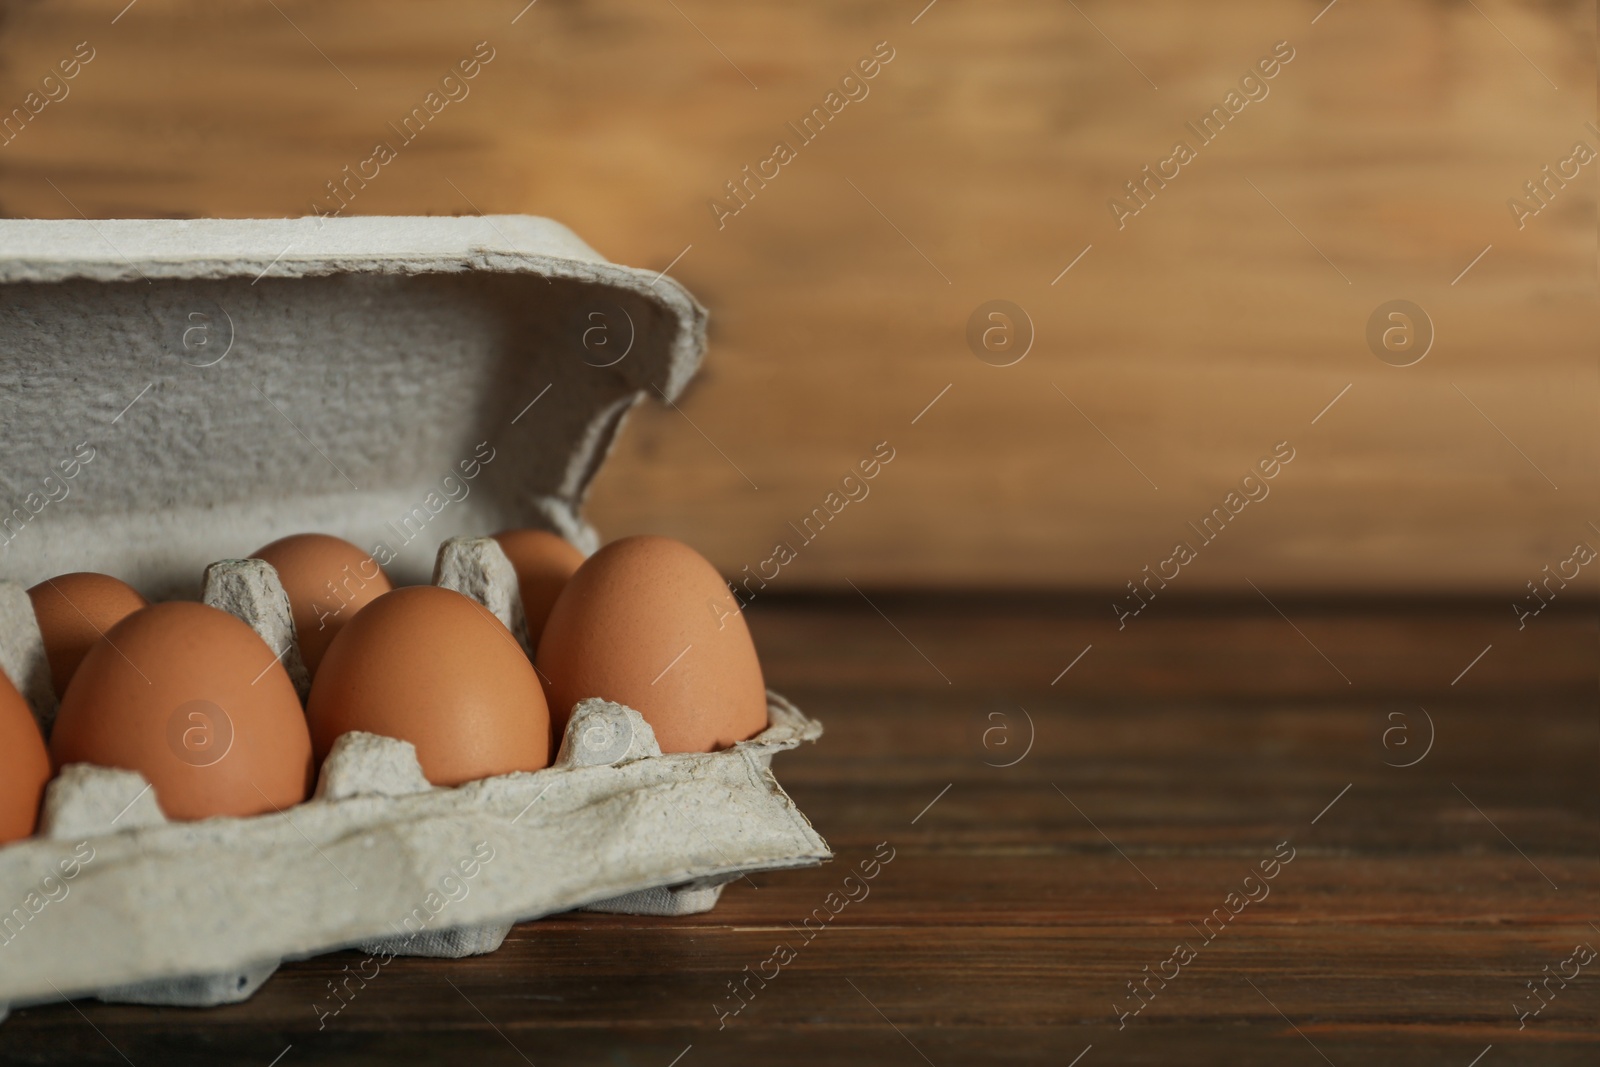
column 1176, row 352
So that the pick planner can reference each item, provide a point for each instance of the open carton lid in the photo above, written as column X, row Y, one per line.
column 177, row 392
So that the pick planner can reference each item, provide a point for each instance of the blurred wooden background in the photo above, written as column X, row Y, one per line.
column 1220, row 321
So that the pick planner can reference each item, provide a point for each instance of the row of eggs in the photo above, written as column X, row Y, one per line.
column 192, row 698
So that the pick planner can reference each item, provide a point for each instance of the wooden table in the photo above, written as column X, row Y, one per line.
column 1168, row 762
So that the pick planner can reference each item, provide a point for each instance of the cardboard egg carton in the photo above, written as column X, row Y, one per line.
column 338, row 373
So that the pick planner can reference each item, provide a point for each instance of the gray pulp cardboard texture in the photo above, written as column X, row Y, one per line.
column 176, row 393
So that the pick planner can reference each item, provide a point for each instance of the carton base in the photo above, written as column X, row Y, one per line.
column 459, row 943
column 662, row 900
column 194, row 991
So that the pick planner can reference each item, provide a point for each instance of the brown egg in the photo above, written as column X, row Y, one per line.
column 191, row 698
column 74, row 610
column 328, row 581
column 435, row 668
column 649, row 623
column 543, row 562
column 24, row 765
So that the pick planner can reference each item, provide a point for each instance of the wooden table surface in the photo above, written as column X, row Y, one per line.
column 1170, row 760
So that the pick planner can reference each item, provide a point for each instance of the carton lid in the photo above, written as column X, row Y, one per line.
column 176, row 392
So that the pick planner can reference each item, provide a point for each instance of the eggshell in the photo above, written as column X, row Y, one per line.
column 328, row 581
column 648, row 622
column 543, row 562
column 73, row 611
column 191, row 698
column 435, row 668
column 24, row 765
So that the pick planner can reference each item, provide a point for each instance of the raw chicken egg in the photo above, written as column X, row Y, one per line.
column 543, row 562
column 73, row 611
column 193, row 699
column 648, row 622
column 328, row 581
column 24, row 765
column 435, row 668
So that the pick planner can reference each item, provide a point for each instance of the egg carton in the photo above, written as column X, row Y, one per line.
column 117, row 902
column 235, row 381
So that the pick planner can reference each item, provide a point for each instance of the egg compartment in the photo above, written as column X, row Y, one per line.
column 478, row 567
column 169, row 389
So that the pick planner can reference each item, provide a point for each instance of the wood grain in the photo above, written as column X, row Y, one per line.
column 1020, row 900
column 1222, row 319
